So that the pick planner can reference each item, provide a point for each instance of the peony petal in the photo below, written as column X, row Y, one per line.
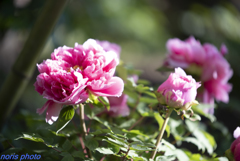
column 113, row 88
column 236, row 132
column 53, row 112
column 45, row 106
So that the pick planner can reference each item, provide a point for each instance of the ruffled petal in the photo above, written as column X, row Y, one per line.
column 44, row 107
column 53, row 112
column 113, row 88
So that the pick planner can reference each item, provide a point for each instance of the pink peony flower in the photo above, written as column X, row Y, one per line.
column 235, row 147
column 205, row 60
column 183, row 53
column 179, row 90
column 71, row 73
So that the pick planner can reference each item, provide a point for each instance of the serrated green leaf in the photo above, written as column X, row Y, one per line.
column 78, row 154
column 65, row 117
column 67, row 145
column 90, row 142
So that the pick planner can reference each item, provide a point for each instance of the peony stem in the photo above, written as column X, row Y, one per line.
column 84, row 128
column 161, row 133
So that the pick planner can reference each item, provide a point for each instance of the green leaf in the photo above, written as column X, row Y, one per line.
column 194, row 117
column 165, row 158
column 113, row 148
column 116, row 141
column 67, row 157
column 67, row 145
column 160, row 121
column 78, row 154
column 143, row 81
column 140, row 146
column 206, row 139
column 148, row 100
column 143, row 110
column 195, row 142
column 104, row 150
column 222, row 159
column 30, row 137
column 65, row 117
column 90, row 142
column 101, row 131
column 200, row 110
column 127, row 123
column 105, row 102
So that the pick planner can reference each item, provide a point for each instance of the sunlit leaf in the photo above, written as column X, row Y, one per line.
column 65, row 116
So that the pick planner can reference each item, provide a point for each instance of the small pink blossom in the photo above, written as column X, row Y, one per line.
column 179, row 90
column 71, row 73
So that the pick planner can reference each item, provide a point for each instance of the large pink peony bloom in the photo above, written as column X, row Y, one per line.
column 205, row 60
column 179, row 90
column 235, row 147
column 184, row 53
column 71, row 73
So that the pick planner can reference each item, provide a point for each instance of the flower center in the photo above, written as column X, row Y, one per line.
column 75, row 68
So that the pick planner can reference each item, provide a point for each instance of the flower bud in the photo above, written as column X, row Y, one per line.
column 178, row 91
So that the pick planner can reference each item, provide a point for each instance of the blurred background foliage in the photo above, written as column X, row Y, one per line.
column 140, row 27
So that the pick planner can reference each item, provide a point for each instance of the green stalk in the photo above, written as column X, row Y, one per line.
column 161, row 133
column 84, row 128
column 25, row 64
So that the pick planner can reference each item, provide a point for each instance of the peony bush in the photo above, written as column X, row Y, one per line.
column 122, row 117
